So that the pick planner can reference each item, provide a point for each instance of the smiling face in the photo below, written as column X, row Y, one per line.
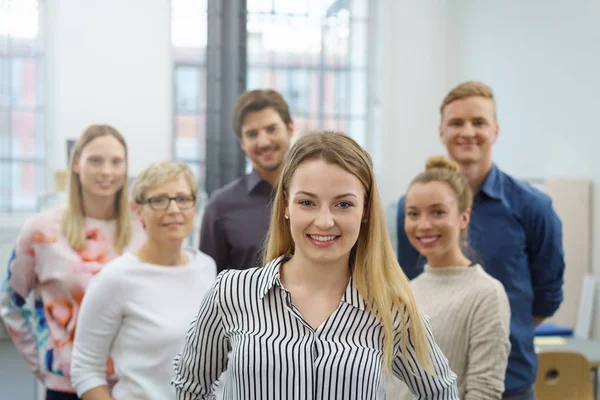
column 433, row 222
column 265, row 138
column 173, row 224
column 325, row 205
column 101, row 167
column 469, row 130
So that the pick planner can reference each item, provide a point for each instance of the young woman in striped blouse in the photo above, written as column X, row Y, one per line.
column 331, row 310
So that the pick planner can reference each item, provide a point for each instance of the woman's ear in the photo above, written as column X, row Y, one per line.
column 75, row 165
column 138, row 212
column 286, row 209
column 465, row 218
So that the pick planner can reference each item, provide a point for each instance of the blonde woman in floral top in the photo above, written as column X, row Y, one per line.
column 58, row 252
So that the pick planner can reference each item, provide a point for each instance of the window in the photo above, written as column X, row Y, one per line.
column 22, row 136
column 315, row 53
column 188, row 41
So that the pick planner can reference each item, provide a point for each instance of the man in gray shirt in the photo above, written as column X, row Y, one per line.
column 236, row 218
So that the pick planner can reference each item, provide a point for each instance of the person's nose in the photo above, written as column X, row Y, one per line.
column 263, row 140
column 324, row 219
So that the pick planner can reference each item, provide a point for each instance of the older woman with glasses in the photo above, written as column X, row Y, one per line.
column 138, row 308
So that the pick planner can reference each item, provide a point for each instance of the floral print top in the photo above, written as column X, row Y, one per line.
column 45, row 266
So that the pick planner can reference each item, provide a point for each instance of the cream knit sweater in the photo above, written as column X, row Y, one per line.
column 470, row 318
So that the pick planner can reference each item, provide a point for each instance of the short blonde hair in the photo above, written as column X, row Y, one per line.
column 468, row 89
column 72, row 223
column 158, row 173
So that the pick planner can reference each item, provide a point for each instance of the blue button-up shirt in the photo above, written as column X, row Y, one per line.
column 517, row 237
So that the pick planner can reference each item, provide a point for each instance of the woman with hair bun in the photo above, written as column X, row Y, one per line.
column 469, row 309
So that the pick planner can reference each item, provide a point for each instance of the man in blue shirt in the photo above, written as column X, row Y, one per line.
column 514, row 231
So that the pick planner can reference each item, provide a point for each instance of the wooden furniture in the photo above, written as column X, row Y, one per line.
column 563, row 375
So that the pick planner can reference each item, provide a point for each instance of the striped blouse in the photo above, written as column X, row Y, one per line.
column 248, row 325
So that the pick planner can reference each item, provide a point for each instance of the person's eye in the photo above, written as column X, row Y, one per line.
column 185, row 199
column 345, row 204
column 159, row 201
column 306, row 203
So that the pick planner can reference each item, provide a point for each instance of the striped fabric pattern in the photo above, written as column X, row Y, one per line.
column 248, row 325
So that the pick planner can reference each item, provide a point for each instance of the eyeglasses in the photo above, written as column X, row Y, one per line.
column 160, row 203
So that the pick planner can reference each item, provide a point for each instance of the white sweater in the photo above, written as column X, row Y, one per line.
column 139, row 314
column 470, row 319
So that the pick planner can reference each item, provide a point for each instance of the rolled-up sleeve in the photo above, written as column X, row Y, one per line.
column 546, row 256
column 204, row 356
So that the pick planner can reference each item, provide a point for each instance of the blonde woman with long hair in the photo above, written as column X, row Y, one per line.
column 60, row 249
column 331, row 311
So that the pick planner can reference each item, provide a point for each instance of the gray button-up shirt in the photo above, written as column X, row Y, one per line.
column 236, row 221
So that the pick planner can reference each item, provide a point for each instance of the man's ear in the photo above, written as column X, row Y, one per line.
column 496, row 132
column 290, row 127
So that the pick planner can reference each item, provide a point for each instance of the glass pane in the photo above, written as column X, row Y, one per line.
column 199, row 170
column 27, row 134
column 5, row 86
column 298, row 87
column 5, row 137
column 254, row 78
column 188, row 89
column 188, row 23
column 27, row 185
column 359, row 9
column 23, row 134
column 357, row 129
column 190, row 140
column 336, row 94
column 305, row 124
column 20, row 20
column 290, row 7
column 283, row 40
column 260, row 78
column 5, row 182
column 259, row 6
column 24, row 82
column 336, row 43
column 358, row 93
column 358, row 49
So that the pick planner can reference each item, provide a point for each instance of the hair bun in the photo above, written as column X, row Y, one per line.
column 442, row 163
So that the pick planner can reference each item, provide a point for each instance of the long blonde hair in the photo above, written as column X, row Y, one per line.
column 72, row 224
column 375, row 270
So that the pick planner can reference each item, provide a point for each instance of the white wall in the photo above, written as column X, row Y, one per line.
column 108, row 61
column 542, row 60
column 414, row 78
